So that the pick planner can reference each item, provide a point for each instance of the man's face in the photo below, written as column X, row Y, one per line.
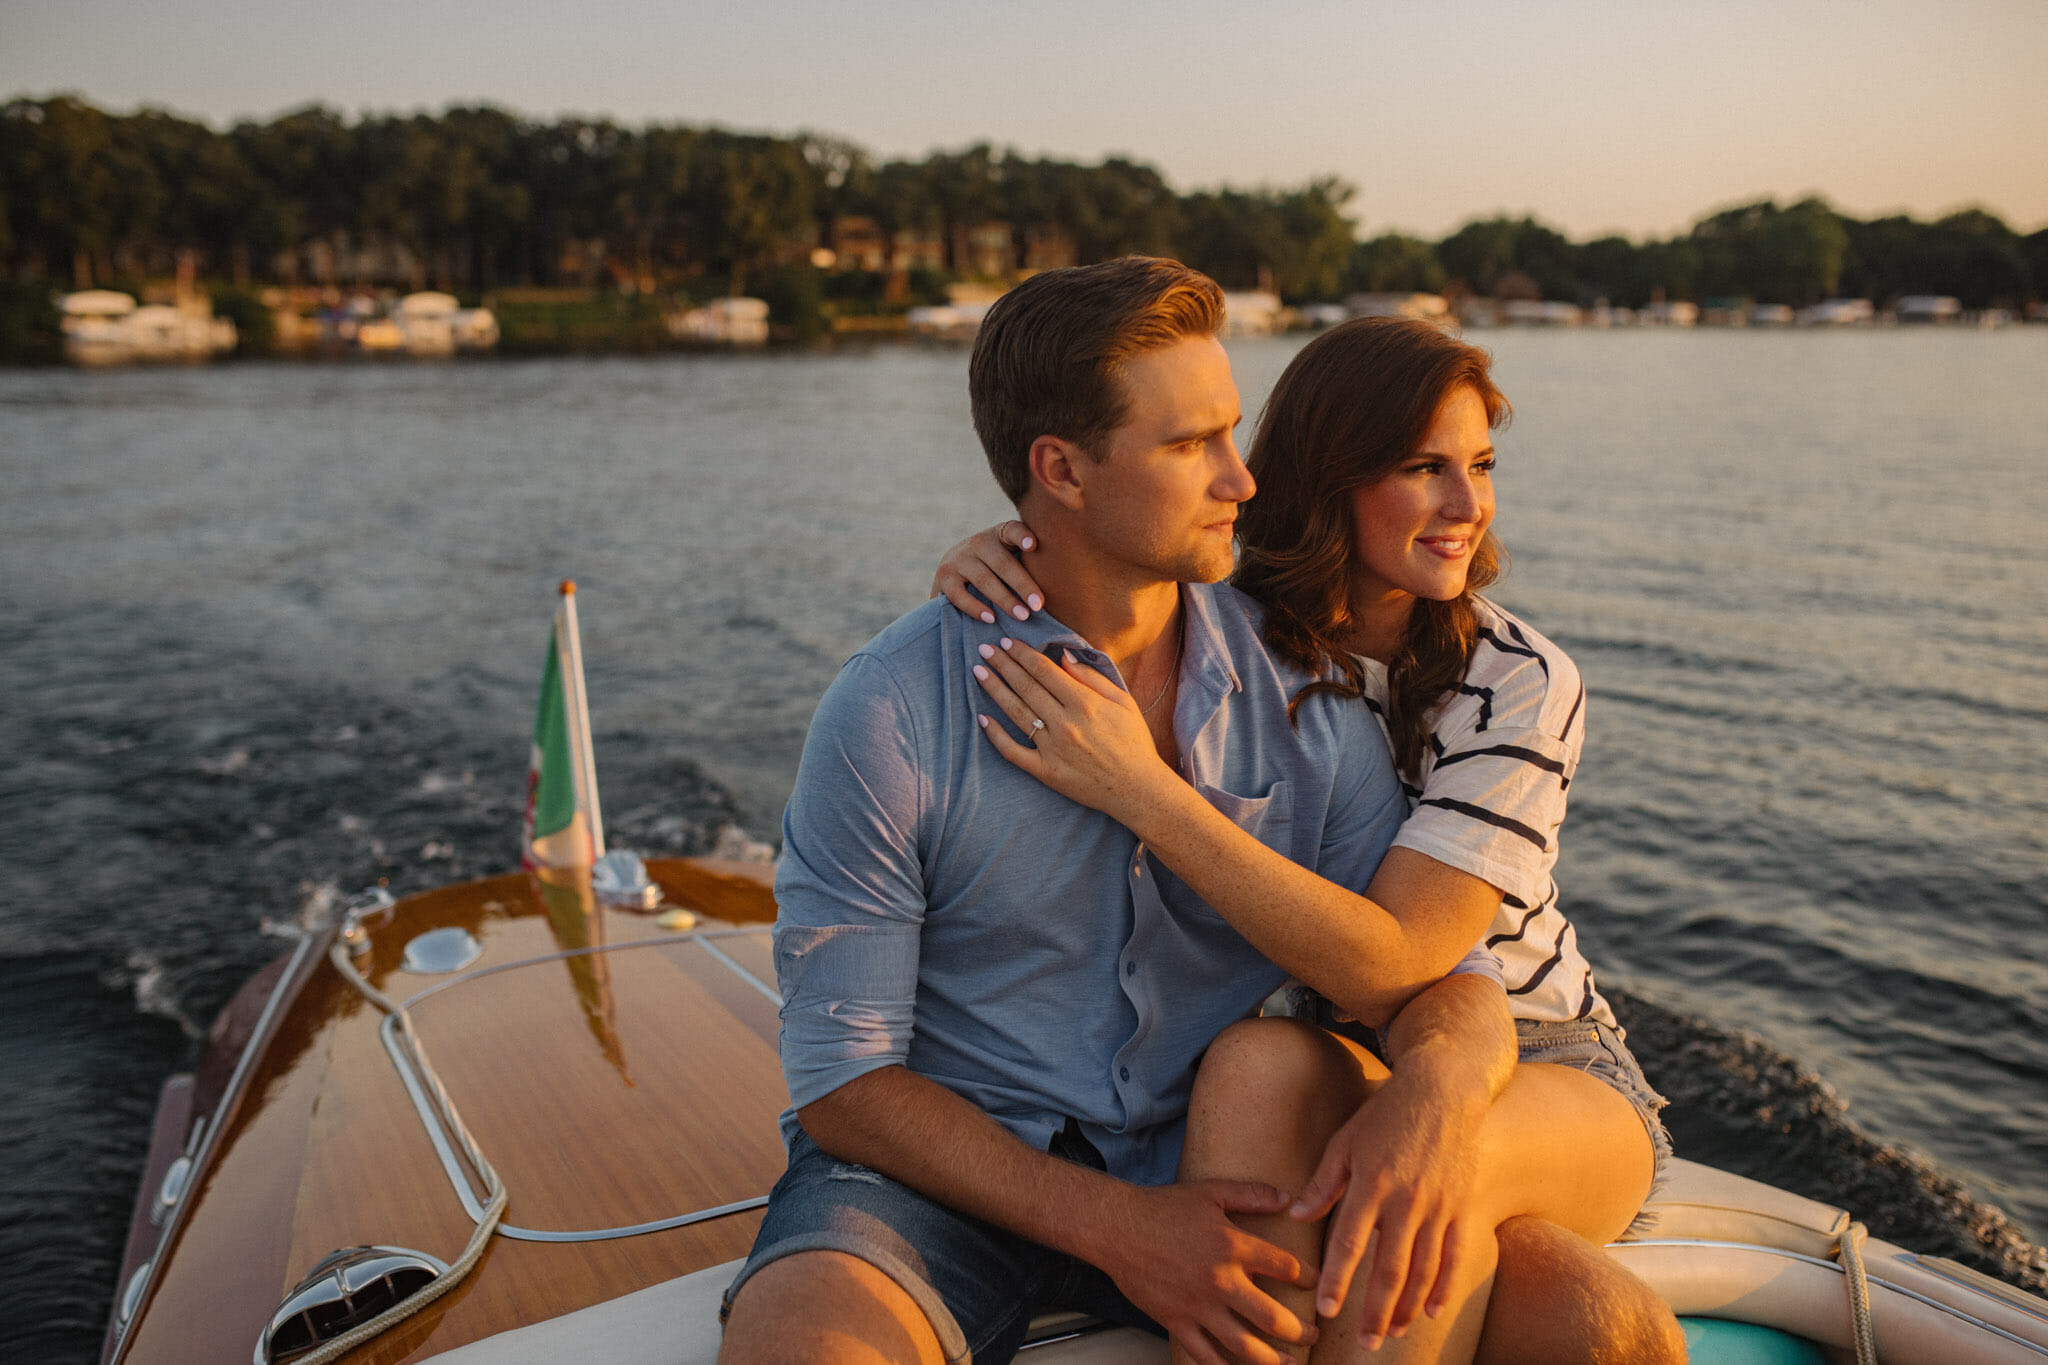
column 1164, row 499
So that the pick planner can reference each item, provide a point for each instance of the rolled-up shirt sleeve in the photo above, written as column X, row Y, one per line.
column 850, row 887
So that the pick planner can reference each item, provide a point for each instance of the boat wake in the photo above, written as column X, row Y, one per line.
column 1738, row 1103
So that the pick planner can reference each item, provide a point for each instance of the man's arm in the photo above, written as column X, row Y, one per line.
column 1407, row 1162
column 1172, row 1249
column 848, row 951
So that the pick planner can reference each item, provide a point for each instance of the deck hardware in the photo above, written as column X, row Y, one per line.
column 172, row 1190
column 131, row 1296
column 373, row 904
column 439, row 951
column 347, row 1287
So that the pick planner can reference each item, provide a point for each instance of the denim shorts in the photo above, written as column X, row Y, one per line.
column 1598, row 1050
column 978, row 1285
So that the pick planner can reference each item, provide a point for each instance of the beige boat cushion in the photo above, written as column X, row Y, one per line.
column 1701, row 1202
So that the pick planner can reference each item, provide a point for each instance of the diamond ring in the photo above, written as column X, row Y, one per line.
column 1036, row 725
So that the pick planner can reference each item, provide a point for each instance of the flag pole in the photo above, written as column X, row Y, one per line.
column 579, row 718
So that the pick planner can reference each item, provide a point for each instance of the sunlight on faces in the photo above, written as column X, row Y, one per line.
column 1163, row 498
column 1418, row 528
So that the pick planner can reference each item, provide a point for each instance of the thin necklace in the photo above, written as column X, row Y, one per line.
column 1180, row 643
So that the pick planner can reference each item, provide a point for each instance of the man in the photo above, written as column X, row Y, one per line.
column 994, row 1001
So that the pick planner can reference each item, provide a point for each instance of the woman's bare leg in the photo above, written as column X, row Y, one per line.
column 1268, row 1096
column 1559, row 1148
column 1289, row 1086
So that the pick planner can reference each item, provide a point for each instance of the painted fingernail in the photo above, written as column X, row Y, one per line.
column 1028, row 543
column 1020, row 613
column 1037, row 602
column 986, row 651
column 981, row 673
column 1327, row 1308
column 988, row 618
column 1067, row 656
column 982, row 721
column 1007, row 642
column 1372, row 1341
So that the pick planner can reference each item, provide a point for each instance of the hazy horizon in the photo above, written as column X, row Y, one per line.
column 1589, row 115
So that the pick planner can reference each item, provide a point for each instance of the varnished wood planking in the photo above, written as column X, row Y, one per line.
column 371, row 1176
column 221, row 1278
column 743, row 893
column 742, row 1000
column 755, row 952
column 523, row 1282
column 695, row 1128
column 328, row 1151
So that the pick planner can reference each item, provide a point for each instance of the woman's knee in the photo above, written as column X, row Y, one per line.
column 1268, row 1095
column 1267, row 1062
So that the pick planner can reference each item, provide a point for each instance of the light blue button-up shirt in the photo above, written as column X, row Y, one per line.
column 942, row 909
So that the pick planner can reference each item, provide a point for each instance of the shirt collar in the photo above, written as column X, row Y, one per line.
column 1206, row 668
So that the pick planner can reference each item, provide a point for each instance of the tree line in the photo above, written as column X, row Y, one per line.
column 478, row 199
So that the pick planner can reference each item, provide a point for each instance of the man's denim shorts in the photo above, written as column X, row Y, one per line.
column 1598, row 1050
column 978, row 1285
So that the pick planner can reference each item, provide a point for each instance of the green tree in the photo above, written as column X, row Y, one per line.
column 1393, row 263
column 1793, row 255
column 1481, row 252
column 1299, row 239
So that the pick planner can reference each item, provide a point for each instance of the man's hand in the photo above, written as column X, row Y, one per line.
column 1406, row 1167
column 1174, row 1252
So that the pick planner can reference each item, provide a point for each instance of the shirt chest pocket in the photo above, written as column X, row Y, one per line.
column 1267, row 817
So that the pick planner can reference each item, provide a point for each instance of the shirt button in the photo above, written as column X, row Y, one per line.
column 1123, row 1072
column 1130, row 969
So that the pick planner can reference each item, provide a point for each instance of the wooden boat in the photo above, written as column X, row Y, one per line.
column 621, row 1079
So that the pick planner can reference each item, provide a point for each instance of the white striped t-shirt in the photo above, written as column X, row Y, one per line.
column 1498, row 763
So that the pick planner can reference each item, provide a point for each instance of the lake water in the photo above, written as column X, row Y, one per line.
column 270, row 632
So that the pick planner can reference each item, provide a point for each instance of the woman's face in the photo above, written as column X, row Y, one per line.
column 1418, row 527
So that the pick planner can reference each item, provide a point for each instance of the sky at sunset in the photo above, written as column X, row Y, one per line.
column 1592, row 115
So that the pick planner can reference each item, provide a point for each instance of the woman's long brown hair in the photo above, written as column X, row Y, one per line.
column 1355, row 403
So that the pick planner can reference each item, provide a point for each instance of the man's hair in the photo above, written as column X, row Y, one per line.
column 1049, row 359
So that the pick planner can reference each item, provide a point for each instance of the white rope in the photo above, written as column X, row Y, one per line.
column 1851, row 1256
column 494, row 1209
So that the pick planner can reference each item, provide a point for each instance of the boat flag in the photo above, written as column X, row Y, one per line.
column 563, row 825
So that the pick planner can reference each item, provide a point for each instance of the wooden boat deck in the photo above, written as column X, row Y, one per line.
column 563, row 1048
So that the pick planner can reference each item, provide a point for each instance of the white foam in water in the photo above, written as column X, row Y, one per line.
column 154, row 994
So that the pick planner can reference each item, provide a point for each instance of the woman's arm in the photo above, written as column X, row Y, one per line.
column 992, row 561
column 1368, row 954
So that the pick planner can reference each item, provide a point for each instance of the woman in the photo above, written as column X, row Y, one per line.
column 1367, row 545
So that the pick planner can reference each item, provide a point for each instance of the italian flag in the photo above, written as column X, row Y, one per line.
column 563, row 825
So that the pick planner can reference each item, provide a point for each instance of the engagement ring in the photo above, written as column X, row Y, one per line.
column 1037, row 724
